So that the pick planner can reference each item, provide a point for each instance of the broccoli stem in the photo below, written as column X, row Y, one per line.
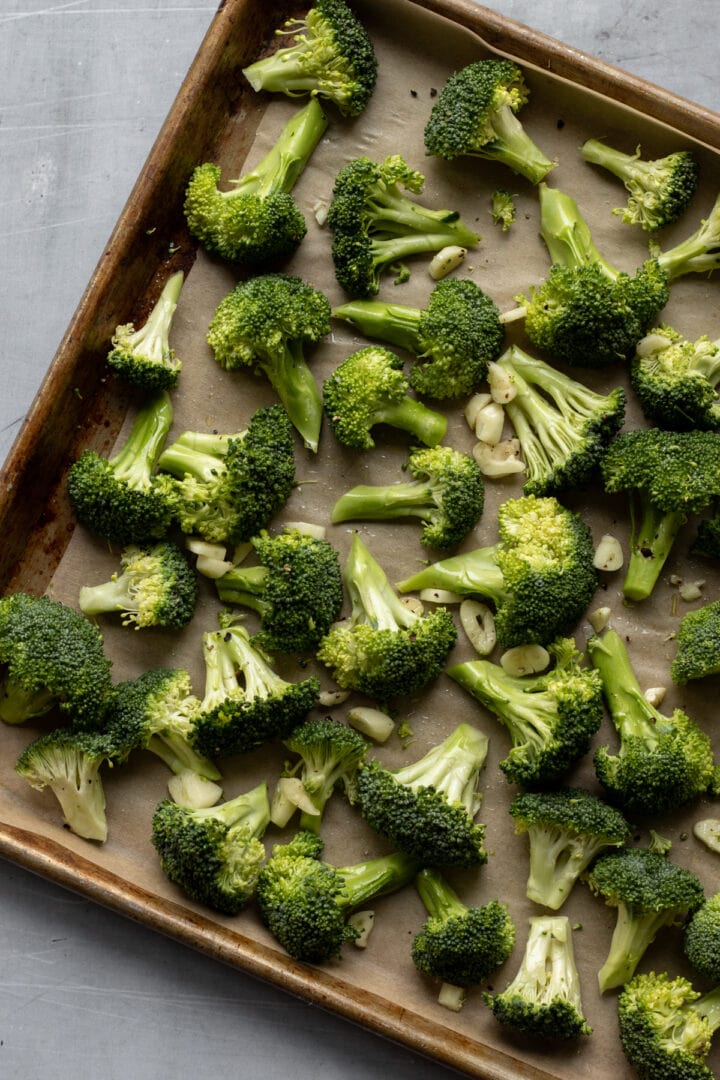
column 392, row 323
column 440, row 899
column 412, row 416
column 363, row 881
column 624, row 166
column 152, row 338
column 178, row 755
column 112, row 595
column 699, row 253
column 555, row 862
column 372, row 598
column 19, row 703
column 451, row 767
column 474, row 573
column 384, row 502
column 632, row 936
column 220, row 672
column 252, row 808
column 243, row 586
column 651, row 542
column 708, row 1007
column 631, row 712
column 195, row 454
column 566, row 233
column 280, row 169
column 527, row 716
column 136, row 461
column 514, row 147
column 293, row 382
column 260, row 679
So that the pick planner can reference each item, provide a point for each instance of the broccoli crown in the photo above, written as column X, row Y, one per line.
column 375, row 225
column 143, row 357
column 566, row 830
column 215, row 854
column 702, row 939
column 119, row 498
column 328, row 755
column 427, row 808
column 155, row 587
column 550, row 718
column 698, row 644
column 563, row 427
column 296, row 588
column 543, row 1000
column 475, row 115
column 447, row 495
column 675, row 380
column 460, row 945
column 699, row 253
column 369, row 388
column 331, row 56
column 50, row 656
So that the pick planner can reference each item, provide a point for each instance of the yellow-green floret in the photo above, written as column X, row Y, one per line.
column 144, row 357
column 676, row 380
column 155, row 587
column 328, row 757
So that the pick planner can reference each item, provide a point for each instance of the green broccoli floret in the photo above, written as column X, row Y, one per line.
column 369, row 388
column 226, row 488
column 265, row 324
column 676, row 380
column 502, row 208
column 543, row 1000
column 707, row 541
column 427, row 808
column 660, row 190
column 668, row 476
column 50, row 656
column 383, row 649
column 374, row 225
column 331, row 56
column 699, row 253
column 649, row 892
column 143, row 357
column 155, row 587
column 539, row 575
column 702, row 939
column 118, row 498
column 663, row 761
column 452, row 339
column 305, row 902
column 296, row 589
column 698, row 644
column 214, row 854
column 566, row 830
column 563, row 427
column 69, row 763
column 475, row 114
column 446, row 494
column 459, row 944
column 257, row 221
column 246, row 702
column 328, row 755
column 550, row 718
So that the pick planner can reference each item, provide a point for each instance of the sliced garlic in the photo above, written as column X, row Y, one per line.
column 212, row 568
column 499, row 460
column 451, row 997
column 289, row 796
column 478, row 622
column 525, row 660
column 474, row 407
column 655, row 694
column 446, row 261
column 490, row 423
column 502, row 385
column 362, row 922
column 440, row 596
column 608, row 554
column 708, row 831
column 307, row 528
column 599, row 618
column 374, row 723
column 691, row 590
column 187, row 788
column 202, row 547
column 414, row 604
column 328, row 698
column 652, row 343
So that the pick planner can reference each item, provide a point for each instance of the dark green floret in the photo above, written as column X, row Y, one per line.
column 676, row 380
column 383, row 649
column 375, row 225
column 331, row 56
column 265, row 324
column 698, row 644
column 566, row 830
column 50, row 656
column 328, row 757
column 214, row 854
column 707, row 541
column 702, row 939
column 143, row 357
column 650, row 892
column 503, row 209
column 539, row 575
column 369, row 388
column 296, row 588
column 699, row 253
column 550, row 718
column 452, row 339
column 427, row 808
column 155, row 587
column 256, row 221
column 543, row 1000
column 475, row 114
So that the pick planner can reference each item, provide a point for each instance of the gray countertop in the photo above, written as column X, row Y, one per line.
column 85, row 87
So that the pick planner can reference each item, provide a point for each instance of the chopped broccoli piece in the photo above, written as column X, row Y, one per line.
column 698, row 644
column 329, row 754
column 676, row 380
column 375, row 225
column 707, row 541
column 331, row 56
column 702, row 939
column 155, row 587
column 143, row 357
column 698, row 253
column 475, row 114
column 502, row 208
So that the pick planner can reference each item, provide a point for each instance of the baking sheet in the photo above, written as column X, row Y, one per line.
column 380, row 986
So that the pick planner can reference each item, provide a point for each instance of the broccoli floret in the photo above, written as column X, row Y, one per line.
column 550, row 718
column 676, row 380
column 331, row 56
column 502, row 208
column 383, row 649
column 226, row 488
column 539, row 575
column 543, row 1000
column 698, row 644
column 668, row 476
column 265, row 324
column 707, row 541
column 143, row 357
column 69, row 764
column 50, row 656
column 475, row 114
column 369, row 388
column 447, row 496
column 328, row 755
column 566, row 830
column 155, row 587
column 214, row 854
column 305, row 902
column 563, row 427
column 459, row 944
column 663, row 761
column 702, row 939
column 649, row 892
column 257, row 221
column 246, row 702
column 118, row 498
column 427, row 808
column 296, row 588
column 699, row 253
column 660, row 190
column 452, row 339
column 374, row 225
